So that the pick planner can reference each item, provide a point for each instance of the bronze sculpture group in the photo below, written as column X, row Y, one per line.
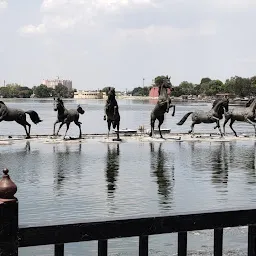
column 220, row 109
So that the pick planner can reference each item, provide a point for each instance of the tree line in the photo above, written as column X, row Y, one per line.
column 41, row 91
column 239, row 86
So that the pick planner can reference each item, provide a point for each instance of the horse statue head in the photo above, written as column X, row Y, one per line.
column 164, row 84
column 111, row 93
column 223, row 107
column 249, row 102
column 59, row 104
column 80, row 109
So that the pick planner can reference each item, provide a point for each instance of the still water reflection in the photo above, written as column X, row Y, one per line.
column 112, row 167
column 163, row 170
column 70, row 181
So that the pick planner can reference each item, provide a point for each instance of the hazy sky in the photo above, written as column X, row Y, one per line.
column 98, row 43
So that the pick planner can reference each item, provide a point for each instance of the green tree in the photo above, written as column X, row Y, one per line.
column 177, row 91
column 141, row 91
column 239, row 86
column 187, row 88
column 5, row 92
column 42, row 91
column 61, row 91
column 205, row 80
column 25, row 92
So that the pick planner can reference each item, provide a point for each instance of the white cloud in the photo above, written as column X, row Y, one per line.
column 31, row 29
column 65, row 14
column 3, row 4
column 131, row 38
column 154, row 33
column 234, row 5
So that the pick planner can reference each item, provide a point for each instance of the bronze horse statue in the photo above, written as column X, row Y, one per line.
column 66, row 116
column 242, row 115
column 212, row 116
column 18, row 115
column 162, row 106
column 112, row 111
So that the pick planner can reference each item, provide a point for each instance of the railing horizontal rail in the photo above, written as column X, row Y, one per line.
column 141, row 227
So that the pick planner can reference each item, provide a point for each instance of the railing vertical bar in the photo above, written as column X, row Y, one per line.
column 59, row 250
column 102, row 247
column 252, row 240
column 143, row 246
column 218, row 242
column 182, row 243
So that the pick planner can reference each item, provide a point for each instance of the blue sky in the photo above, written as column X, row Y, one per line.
column 98, row 43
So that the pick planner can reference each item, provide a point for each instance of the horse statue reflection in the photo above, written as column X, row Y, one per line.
column 67, row 116
column 242, row 115
column 18, row 115
column 162, row 106
column 212, row 116
column 112, row 112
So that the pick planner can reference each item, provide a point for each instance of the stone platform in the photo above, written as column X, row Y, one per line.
column 171, row 137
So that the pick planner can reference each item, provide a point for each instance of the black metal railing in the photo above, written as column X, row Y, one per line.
column 13, row 236
column 142, row 228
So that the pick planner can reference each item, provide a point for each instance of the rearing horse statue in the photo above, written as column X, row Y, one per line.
column 242, row 115
column 112, row 112
column 67, row 116
column 162, row 106
column 212, row 116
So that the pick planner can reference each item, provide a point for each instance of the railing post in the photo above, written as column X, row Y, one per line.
column 8, row 216
column 251, row 240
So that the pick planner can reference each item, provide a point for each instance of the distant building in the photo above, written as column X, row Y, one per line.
column 81, row 94
column 154, row 92
column 54, row 82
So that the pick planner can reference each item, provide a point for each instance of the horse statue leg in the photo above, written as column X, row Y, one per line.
column 24, row 123
column 218, row 125
column 252, row 123
column 79, row 125
column 109, row 126
column 168, row 105
column 60, row 128
column 227, row 117
column 192, row 128
column 57, row 121
column 217, row 120
column 152, row 123
column 68, row 124
column 117, row 128
column 160, row 120
column 173, row 112
column 230, row 125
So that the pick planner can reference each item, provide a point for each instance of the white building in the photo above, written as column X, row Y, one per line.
column 82, row 94
column 54, row 82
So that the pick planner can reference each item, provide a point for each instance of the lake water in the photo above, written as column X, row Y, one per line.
column 75, row 182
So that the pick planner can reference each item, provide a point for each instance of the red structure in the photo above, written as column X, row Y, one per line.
column 154, row 92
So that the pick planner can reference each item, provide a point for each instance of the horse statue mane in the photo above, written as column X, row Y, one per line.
column 163, row 82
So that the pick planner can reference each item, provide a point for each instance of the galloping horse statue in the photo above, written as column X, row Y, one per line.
column 67, row 116
column 242, row 115
column 18, row 115
column 162, row 106
column 212, row 116
column 112, row 112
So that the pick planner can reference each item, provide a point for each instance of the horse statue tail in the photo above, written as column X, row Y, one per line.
column 34, row 116
column 184, row 118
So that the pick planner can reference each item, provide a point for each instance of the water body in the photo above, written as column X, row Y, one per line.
column 76, row 182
